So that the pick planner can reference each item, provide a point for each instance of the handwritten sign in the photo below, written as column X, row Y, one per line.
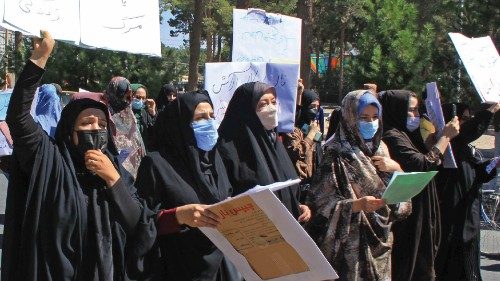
column 256, row 230
column 121, row 25
column 482, row 62
column 60, row 17
column 222, row 79
column 265, row 37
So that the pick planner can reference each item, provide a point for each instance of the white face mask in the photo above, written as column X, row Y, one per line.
column 269, row 116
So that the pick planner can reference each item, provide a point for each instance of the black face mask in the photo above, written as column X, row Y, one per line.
column 92, row 140
column 311, row 114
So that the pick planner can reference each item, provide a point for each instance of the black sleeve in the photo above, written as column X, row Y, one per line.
column 25, row 132
column 481, row 175
column 474, row 128
column 126, row 207
column 410, row 159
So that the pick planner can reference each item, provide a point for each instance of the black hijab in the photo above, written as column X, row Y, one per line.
column 395, row 114
column 304, row 116
column 250, row 155
column 179, row 174
column 162, row 100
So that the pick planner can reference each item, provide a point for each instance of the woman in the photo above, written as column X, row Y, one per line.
column 459, row 194
column 70, row 214
column 184, row 177
column 416, row 239
column 128, row 140
column 303, row 148
column 351, row 224
column 250, row 149
column 168, row 93
column 145, row 113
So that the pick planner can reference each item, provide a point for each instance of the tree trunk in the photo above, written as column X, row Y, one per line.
column 209, row 50
column 341, row 61
column 305, row 12
column 219, row 48
column 194, row 45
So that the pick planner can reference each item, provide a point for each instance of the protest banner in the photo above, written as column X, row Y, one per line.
column 130, row 26
column 482, row 62
column 265, row 37
column 264, row 241
column 222, row 79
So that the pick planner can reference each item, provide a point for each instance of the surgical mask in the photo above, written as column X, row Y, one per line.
column 368, row 129
column 412, row 123
column 137, row 104
column 92, row 140
column 269, row 116
column 205, row 133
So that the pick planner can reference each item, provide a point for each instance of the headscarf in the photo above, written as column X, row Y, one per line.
column 161, row 99
column 308, row 97
column 367, row 99
column 115, row 93
column 349, row 129
column 48, row 109
column 395, row 104
column 251, row 155
column 136, row 86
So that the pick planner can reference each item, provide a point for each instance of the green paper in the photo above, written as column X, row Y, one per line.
column 404, row 186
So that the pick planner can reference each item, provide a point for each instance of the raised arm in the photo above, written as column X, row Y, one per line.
column 25, row 133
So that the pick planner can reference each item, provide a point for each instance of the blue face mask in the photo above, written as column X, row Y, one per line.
column 412, row 123
column 137, row 104
column 368, row 129
column 205, row 133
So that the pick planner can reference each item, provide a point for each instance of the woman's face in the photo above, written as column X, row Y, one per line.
column 140, row 94
column 89, row 119
column 314, row 105
column 369, row 114
column 266, row 99
column 203, row 111
column 413, row 107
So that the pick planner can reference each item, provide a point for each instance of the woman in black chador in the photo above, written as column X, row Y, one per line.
column 71, row 214
column 184, row 177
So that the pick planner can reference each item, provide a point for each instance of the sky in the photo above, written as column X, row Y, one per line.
column 165, row 33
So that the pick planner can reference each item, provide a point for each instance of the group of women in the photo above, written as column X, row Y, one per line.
column 73, row 213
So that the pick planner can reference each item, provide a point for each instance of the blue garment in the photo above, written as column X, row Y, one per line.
column 205, row 133
column 48, row 109
column 368, row 99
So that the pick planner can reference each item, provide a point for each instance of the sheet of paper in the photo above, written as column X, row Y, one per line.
column 222, row 79
column 265, row 242
column 482, row 62
column 60, row 17
column 265, row 37
column 435, row 113
column 404, row 186
column 132, row 25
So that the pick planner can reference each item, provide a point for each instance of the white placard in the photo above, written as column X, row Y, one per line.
column 318, row 268
column 60, row 17
column 482, row 62
column 121, row 25
column 222, row 79
column 265, row 37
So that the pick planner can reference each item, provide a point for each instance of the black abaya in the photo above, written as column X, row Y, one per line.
column 57, row 226
column 181, row 174
column 459, row 194
column 416, row 238
column 252, row 155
